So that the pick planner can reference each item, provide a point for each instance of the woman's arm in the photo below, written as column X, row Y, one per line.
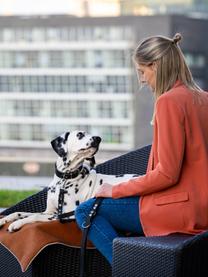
column 169, row 135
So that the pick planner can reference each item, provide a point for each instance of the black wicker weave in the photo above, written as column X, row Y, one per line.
column 59, row 260
column 168, row 256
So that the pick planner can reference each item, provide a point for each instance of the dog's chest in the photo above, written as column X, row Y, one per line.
column 75, row 192
column 70, row 189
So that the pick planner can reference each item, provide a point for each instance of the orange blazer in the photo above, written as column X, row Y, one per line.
column 174, row 190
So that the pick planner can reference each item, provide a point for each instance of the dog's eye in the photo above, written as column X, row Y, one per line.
column 80, row 135
column 59, row 140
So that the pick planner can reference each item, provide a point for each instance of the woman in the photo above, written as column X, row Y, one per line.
column 173, row 194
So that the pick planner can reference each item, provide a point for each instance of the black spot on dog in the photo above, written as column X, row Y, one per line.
column 76, row 190
column 67, row 184
column 80, row 135
column 76, row 185
column 101, row 181
column 120, row 175
column 53, row 189
column 71, row 185
column 19, row 215
column 77, row 203
column 65, row 203
column 90, row 183
column 136, row 175
column 66, row 135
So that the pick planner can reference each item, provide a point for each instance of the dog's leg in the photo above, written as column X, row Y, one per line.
column 13, row 216
column 38, row 217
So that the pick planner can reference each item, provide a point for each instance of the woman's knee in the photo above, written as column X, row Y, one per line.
column 82, row 211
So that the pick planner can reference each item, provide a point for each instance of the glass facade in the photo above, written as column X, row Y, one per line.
column 195, row 60
column 65, row 109
column 30, row 113
column 64, row 34
column 65, row 59
column 65, row 83
column 46, row 132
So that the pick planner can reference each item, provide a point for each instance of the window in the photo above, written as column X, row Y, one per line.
column 43, row 59
column 104, row 109
column 195, row 60
column 8, row 35
column 55, row 59
column 14, row 132
column 38, row 34
column 98, row 58
column 53, row 34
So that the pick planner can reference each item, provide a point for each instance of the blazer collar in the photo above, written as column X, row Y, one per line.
column 177, row 84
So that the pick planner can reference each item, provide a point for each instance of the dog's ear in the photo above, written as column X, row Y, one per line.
column 56, row 147
column 58, row 142
column 92, row 161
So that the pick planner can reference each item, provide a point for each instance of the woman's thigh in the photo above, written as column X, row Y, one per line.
column 122, row 213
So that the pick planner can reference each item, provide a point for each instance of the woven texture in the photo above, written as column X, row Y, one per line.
column 9, row 267
column 167, row 256
column 58, row 260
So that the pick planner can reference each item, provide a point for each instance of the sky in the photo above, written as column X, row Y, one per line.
column 28, row 7
column 9, row 7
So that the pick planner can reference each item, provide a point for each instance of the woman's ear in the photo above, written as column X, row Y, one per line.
column 154, row 66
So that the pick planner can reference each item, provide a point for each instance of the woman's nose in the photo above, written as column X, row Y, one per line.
column 142, row 79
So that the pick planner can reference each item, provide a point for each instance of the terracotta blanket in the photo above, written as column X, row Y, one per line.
column 29, row 241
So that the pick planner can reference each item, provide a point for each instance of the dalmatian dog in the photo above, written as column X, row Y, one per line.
column 75, row 180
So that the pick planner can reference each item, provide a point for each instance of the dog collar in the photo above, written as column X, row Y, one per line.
column 73, row 174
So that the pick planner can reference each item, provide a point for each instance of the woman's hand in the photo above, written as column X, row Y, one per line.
column 104, row 191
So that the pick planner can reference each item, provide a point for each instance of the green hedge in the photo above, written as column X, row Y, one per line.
column 10, row 197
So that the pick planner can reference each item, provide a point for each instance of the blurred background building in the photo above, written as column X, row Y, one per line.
column 67, row 72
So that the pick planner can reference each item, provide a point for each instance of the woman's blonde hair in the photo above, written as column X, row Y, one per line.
column 170, row 62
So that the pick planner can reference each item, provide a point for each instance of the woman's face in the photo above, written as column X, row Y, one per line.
column 147, row 74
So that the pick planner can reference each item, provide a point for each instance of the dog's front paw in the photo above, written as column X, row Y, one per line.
column 3, row 221
column 15, row 226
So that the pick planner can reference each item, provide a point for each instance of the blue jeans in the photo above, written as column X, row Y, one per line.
column 114, row 217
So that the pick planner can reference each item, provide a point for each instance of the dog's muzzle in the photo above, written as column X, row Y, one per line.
column 95, row 141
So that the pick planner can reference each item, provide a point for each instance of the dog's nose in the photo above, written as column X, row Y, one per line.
column 95, row 141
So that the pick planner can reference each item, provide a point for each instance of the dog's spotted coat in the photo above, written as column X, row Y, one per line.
column 76, row 151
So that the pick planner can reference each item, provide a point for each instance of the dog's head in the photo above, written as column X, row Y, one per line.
column 76, row 146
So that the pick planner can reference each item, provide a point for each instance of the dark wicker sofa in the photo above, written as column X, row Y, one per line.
column 170, row 256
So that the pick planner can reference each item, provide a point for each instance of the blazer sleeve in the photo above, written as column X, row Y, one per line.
column 170, row 139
